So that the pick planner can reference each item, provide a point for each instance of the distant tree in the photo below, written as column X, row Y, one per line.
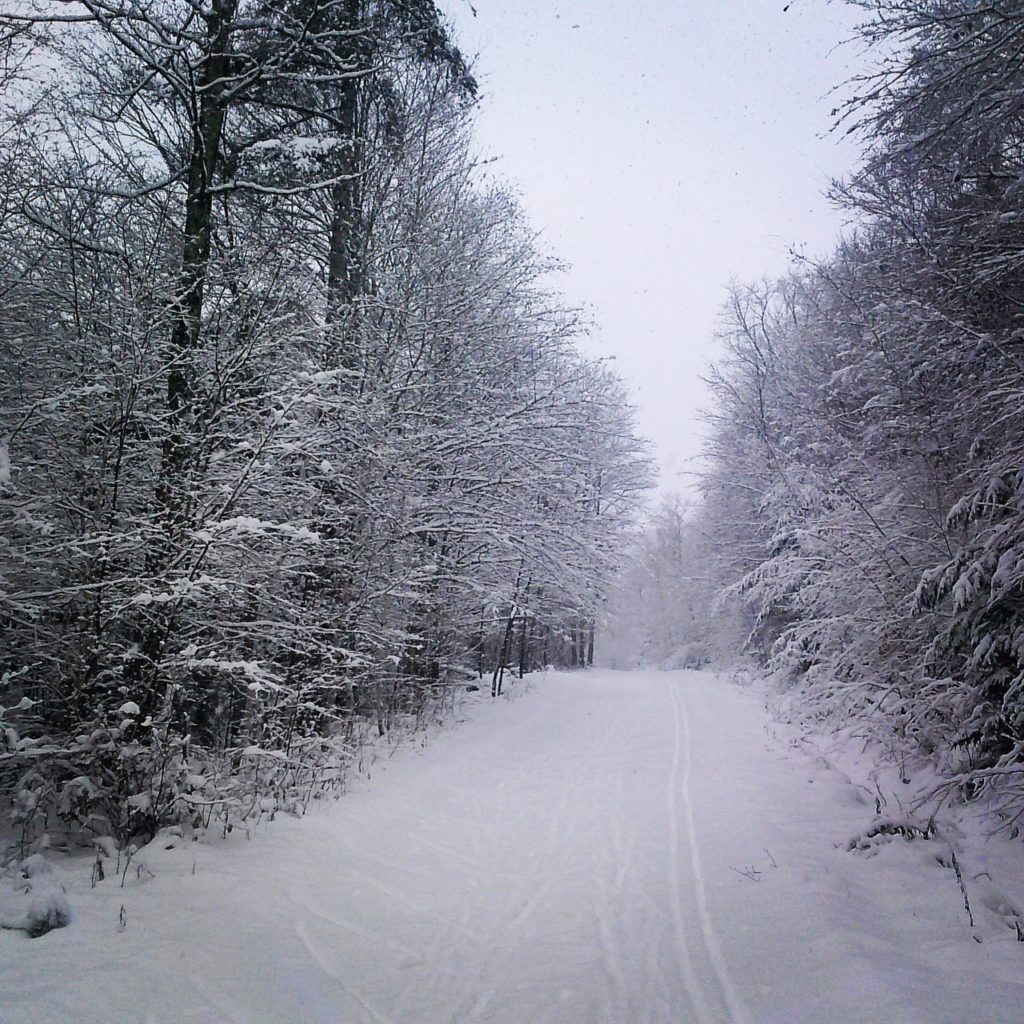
column 659, row 608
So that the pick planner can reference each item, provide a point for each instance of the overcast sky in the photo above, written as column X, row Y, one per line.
column 664, row 148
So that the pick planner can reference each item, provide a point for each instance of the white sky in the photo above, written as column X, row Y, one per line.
column 664, row 149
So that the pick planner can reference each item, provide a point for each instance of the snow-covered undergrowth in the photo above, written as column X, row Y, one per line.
column 187, row 799
column 914, row 813
column 43, row 904
column 612, row 848
column 122, row 779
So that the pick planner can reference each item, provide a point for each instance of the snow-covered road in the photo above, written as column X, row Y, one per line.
column 608, row 847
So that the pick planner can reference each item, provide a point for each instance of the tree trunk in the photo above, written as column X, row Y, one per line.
column 506, row 645
column 503, row 653
column 172, row 491
column 524, row 633
column 345, row 270
column 523, row 646
column 195, row 256
column 481, row 642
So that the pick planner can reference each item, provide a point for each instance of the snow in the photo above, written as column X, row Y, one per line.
column 604, row 847
column 37, row 904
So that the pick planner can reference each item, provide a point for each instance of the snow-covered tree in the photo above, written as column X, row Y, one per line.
column 291, row 424
column 864, row 456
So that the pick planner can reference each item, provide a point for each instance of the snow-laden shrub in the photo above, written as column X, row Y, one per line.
column 128, row 783
column 32, row 898
column 694, row 655
column 981, row 590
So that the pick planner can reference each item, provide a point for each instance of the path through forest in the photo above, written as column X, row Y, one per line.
column 605, row 847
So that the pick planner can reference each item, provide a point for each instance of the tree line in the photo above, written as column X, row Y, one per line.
column 294, row 433
column 862, row 520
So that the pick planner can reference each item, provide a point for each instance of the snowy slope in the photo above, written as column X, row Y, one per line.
column 608, row 847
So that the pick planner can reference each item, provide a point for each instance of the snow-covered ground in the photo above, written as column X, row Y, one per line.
column 606, row 847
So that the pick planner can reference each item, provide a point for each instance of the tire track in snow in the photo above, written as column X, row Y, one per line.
column 681, row 769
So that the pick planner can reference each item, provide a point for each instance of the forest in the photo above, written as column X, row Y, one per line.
column 859, row 529
column 295, row 435
column 306, row 460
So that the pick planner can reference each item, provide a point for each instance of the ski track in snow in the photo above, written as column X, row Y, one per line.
column 563, row 859
column 324, row 962
column 680, row 789
column 701, row 995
